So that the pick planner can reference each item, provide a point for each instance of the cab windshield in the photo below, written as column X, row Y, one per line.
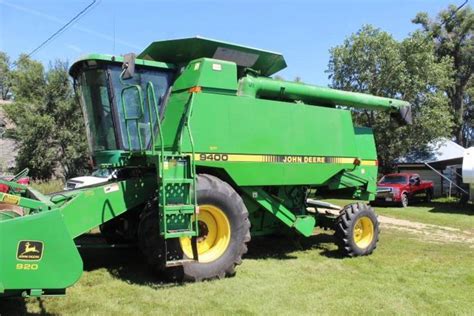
column 393, row 180
column 100, row 94
column 102, row 173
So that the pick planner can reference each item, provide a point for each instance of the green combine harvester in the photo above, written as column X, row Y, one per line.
column 207, row 150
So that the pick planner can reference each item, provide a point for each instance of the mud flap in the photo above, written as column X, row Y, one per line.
column 37, row 255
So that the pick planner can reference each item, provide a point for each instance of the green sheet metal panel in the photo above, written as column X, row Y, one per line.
column 231, row 124
column 181, row 51
column 49, row 261
column 263, row 142
column 208, row 73
column 95, row 206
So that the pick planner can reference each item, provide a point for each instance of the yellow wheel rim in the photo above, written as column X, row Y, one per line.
column 363, row 232
column 214, row 234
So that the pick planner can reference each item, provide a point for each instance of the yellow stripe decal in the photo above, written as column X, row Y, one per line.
column 368, row 163
column 217, row 157
column 10, row 199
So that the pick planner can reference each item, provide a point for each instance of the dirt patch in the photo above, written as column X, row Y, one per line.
column 429, row 232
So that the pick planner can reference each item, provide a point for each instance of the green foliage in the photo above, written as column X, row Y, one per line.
column 49, row 123
column 28, row 80
column 372, row 61
column 5, row 76
column 452, row 34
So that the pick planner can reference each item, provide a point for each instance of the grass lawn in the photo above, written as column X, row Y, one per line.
column 438, row 212
column 405, row 275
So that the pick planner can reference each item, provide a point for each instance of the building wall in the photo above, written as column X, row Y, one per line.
column 441, row 186
column 430, row 175
column 426, row 174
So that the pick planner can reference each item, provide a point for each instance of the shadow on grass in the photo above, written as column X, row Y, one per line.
column 17, row 306
column 282, row 247
column 128, row 264
column 450, row 208
column 446, row 207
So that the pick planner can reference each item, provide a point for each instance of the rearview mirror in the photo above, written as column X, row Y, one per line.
column 128, row 66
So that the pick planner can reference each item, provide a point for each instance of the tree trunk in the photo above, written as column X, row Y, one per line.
column 458, row 105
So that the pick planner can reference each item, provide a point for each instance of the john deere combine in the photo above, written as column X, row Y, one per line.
column 208, row 150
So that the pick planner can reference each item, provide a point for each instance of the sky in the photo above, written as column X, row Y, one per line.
column 302, row 30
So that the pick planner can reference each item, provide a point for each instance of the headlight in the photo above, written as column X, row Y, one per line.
column 395, row 190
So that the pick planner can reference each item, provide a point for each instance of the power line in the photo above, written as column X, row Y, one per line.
column 63, row 28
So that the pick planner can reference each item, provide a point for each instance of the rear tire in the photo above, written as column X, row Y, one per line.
column 404, row 200
column 429, row 196
column 357, row 230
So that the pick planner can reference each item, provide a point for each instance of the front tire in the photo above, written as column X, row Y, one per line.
column 222, row 214
column 224, row 230
column 357, row 230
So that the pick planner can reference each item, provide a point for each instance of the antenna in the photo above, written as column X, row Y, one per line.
column 113, row 21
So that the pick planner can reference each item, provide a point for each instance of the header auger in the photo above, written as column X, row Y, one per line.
column 208, row 150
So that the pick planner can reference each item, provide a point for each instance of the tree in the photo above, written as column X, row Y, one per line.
column 49, row 124
column 452, row 35
column 372, row 61
column 5, row 76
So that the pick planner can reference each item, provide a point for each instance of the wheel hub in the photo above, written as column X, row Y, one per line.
column 363, row 232
column 214, row 234
column 203, row 231
column 358, row 230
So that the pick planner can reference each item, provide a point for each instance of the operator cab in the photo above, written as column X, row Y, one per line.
column 120, row 114
column 120, row 110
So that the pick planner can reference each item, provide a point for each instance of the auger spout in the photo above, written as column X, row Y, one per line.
column 267, row 88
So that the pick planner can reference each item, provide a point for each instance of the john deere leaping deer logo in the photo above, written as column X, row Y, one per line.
column 30, row 250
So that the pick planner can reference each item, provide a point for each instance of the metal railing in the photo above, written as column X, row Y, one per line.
column 451, row 182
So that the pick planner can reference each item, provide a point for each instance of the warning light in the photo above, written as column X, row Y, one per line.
column 196, row 89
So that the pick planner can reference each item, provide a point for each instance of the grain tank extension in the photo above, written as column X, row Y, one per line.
column 208, row 150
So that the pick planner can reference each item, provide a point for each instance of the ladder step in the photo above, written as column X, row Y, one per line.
column 176, row 263
column 178, row 180
column 178, row 207
column 180, row 233
column 177, row 200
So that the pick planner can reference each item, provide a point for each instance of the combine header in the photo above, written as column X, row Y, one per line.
column 207, row 150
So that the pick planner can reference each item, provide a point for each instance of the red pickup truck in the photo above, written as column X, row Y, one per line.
column 400, row 188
